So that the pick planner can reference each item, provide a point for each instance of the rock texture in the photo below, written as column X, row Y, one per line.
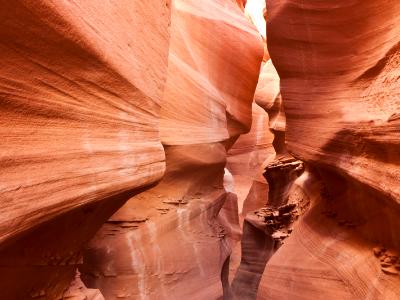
column 174, row 241
column 268, row 96
column 339, row 69
column 246, row 160
column 138, row 149
column 269, row 211
column 247, row 156
column 80, row 92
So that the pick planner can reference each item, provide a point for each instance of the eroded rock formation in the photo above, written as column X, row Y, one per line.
column 340, row 99
column 174, row 241
column 122, row 121
column 270, row 212
column 246, row 158
column 340, row 90
column 80, row 94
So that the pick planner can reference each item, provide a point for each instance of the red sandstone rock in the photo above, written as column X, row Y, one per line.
column 268, row 96
column 350, row 89
column 174, row 241
column 241, row 3
column 245, row 160
column 339, row 69
column 265, row 234
column 247, row 155
column 81, row 86
column 84, row 111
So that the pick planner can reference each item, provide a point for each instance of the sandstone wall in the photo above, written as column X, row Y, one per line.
column 80, row 95
column 339, row 70
column 174, row 241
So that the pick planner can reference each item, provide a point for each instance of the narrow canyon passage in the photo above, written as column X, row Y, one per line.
column 213, row 149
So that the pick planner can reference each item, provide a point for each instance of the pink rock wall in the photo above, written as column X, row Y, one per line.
column 80, row 94
column 248, row 154
column 263, row 229
column 338, row 64
column 174, row 241
column 136, row 141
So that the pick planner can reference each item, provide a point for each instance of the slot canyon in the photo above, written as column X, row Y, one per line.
column 200, row 149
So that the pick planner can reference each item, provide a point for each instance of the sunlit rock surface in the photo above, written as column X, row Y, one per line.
column 174, row 241
column 247, row 155
column 145, row 120
column 268, row 212
column 80, row 94
column 339, row 68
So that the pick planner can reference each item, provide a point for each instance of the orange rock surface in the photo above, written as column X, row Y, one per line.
column 174, row 241
column 214, row 149
column 339, row 68
column 81, row 89
column 248, row 154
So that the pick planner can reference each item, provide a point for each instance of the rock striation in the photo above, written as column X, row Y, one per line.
column 340, row 91
column 246, row 158
column 174, row 240
column 80, row 94
column 146, row 155
column 274, row 209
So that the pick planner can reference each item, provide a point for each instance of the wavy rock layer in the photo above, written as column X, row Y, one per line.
column 80, row 93
column 99, row 102
column 269, row 212
column 339, row 69
column 246, row 157
column 245, row 162
column 174, row 241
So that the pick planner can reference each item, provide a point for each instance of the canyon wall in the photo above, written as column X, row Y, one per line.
column 80, row 95
column 268, row 212
column 142, row 142
column 246, row 158
column 339, row 68
column 99, row 102
column 174, row 240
